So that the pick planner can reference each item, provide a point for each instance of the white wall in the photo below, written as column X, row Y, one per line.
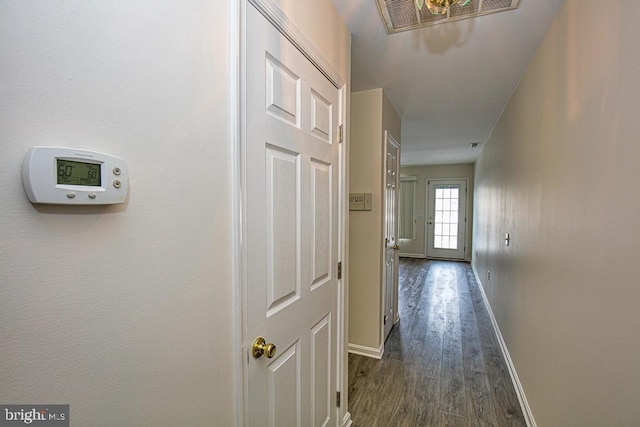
column 560, row 173
column 123, row 312
column 371, row 114
column 417, row 247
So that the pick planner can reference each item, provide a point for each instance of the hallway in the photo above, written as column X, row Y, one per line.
column 442, row 364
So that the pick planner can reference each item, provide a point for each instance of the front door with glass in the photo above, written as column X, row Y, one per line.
column 446, row 218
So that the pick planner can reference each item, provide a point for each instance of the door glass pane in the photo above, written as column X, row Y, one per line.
column 446, row 218
column 438, row 229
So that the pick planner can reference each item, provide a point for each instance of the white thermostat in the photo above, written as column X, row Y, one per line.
column 69, row 176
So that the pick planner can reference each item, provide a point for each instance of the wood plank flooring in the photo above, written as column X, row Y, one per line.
column 442, row 364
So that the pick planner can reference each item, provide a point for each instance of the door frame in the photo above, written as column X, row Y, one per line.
column 426, row 216
column 238, row 72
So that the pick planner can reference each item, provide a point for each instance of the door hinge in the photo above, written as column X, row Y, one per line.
column 340, row 133
column 340, row 270
column 338, row 399
column 385, row 320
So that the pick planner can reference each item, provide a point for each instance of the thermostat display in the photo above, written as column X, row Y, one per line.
column 78, row 173
column 71, row 176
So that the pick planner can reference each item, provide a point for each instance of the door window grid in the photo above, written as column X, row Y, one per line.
column 445, row 234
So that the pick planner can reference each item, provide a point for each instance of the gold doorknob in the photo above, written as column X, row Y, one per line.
column 396, row 247
column 261, row 347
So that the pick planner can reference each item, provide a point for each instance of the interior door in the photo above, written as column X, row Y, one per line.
column 290, row 233
column 391, row 221
column 446, row 218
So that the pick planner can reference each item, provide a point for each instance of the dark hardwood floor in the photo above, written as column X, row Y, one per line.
column 442, row 364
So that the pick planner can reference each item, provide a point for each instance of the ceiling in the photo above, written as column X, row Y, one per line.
column 449, row 82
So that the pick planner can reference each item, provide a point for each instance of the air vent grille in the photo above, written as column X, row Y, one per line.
column 488, row 5
column 403, row 15
column 469, row 9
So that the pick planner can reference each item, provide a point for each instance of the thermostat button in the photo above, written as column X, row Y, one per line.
column 71, row 194
column 116, row 171
column 92, row 195
column 117, row 183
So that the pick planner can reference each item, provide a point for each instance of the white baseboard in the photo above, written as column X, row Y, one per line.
column 347, row 421
column 524, row 404
column 362, row 350
column 403, row 255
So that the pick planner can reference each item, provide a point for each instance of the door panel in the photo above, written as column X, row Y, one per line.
column 283, row 92
column 321, row 117
column 446, row 223
column 321, row 370
column 290, row 231
column 321, row 254
column 283, row 220
column 283, row 385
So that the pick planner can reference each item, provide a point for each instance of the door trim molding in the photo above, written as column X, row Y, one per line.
column 524, row 403
column 279, row 20
column 235, row 74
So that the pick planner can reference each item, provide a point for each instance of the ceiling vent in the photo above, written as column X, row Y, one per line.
column 404, row 15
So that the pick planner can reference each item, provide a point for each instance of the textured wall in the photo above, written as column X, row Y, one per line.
column 560, row 174
column 123, row 312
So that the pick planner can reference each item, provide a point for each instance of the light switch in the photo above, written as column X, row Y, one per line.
column 367, row 201
column 360, row 201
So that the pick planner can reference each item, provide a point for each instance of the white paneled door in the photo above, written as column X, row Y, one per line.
column 446, row 223
column 391, row 221
column 290, row 241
